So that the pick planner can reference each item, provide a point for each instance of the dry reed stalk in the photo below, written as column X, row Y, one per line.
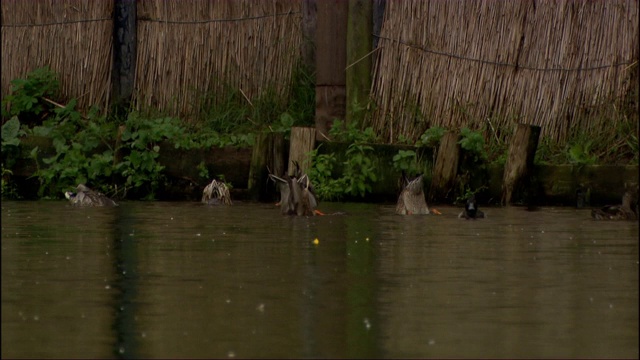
column 72, row 37
column 503, row 60
column 183, row 55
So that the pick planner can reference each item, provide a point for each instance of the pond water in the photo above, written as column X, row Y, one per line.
column 185, row 280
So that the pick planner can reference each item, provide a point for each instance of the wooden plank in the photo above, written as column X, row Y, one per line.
column 519, row 165
column 303, row 140
column 268, row 154
column 446, row 167
column 308, row 47
column 124, row 54
column 331, row 39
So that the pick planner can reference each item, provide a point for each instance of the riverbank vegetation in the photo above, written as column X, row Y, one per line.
column 118, row 154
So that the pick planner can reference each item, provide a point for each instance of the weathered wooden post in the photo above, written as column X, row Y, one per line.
column 446, row 167
column 124, row 54
column 268, row 154
column 378, row 19
column 519, row 166
column 303, row 140
column 308, row 46
column 331, row 61
column 358, row 70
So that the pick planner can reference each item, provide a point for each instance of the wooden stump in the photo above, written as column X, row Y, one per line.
column 446, row 167
column 303, row 140
column 519, row 166
column 268, row 154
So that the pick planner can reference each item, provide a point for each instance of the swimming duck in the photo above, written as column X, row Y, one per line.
column 623, row 211
column 411, row 200
column 471, row 210
column 217, row 192
column 87, row 197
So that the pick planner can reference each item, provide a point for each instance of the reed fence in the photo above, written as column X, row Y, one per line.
column 562, row 65
column 490, row 63
column 189, row 51
column 72, row 37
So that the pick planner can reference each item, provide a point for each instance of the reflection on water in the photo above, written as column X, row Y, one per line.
column 187, row 280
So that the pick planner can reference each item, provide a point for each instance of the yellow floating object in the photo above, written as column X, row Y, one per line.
column 316, row 241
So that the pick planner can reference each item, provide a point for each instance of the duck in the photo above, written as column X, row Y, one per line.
column 412, row 199
column 296, row 195
column 622, row 211
column 86, row 197
column 216, row 193
column 471, row 210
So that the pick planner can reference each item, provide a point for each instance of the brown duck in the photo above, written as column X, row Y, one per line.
column 216, row 193
column 412, row 200
column 296, row 195
column 623, row 211
column 88, row 198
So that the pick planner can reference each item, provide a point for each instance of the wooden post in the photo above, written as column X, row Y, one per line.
column 303, row 140
column 446, row 167
column 124, row 54
column 519, row 166
column 378, row 18
column 331, row 60
column 268, row 154
column 358, row 70
column 308, row 46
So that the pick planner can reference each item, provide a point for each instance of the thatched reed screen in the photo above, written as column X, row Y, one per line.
column 72, row 37
column 188, row 48
column 458, row 63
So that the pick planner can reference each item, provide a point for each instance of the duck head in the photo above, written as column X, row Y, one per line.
column 471, row 210
column 471, row 207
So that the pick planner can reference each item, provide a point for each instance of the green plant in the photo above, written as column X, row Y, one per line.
column 203, row 172
column 401, row 139
column 351, row 133
column 580, row 153
column 472, row 172
column 473, row 142
column 431, row 137
column 141, row 138
column 26, row 96
column 284, row 123
column 406, row 160
column 83, row 150
column 466, row 192
column 358, row 173
column 11, row 133
column 321, row 174
column 359, row 170
column 496, row 145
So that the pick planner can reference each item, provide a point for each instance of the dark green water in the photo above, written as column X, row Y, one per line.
column 184, row 280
